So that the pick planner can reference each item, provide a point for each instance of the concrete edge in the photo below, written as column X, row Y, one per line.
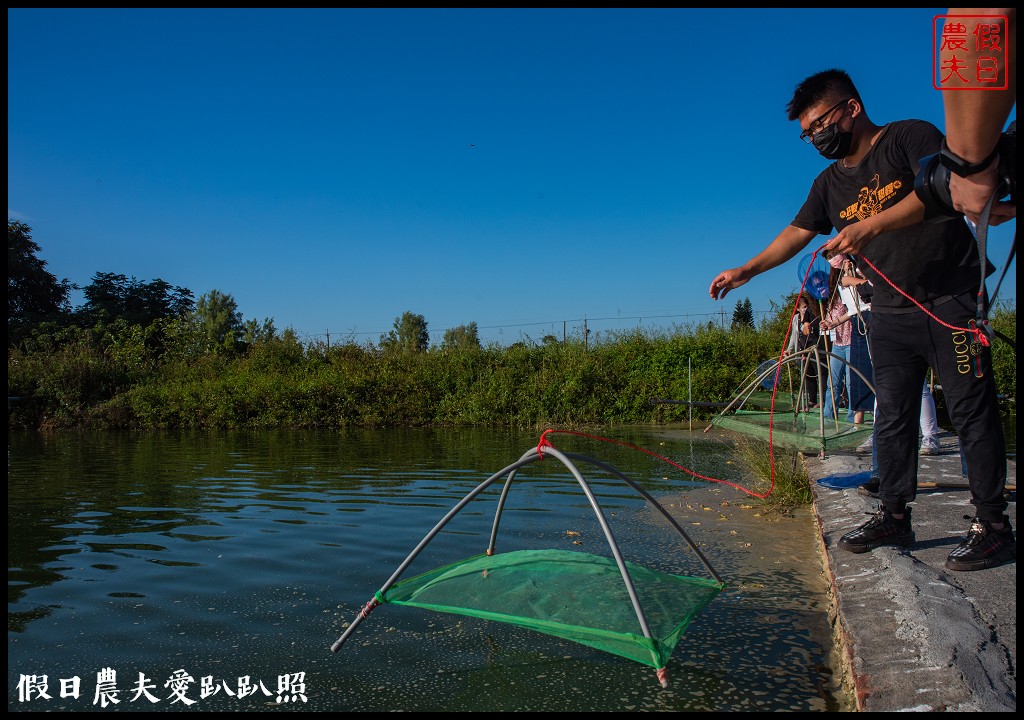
column 841, row 646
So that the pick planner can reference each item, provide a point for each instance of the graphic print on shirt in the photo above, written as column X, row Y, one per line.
column 871, row 199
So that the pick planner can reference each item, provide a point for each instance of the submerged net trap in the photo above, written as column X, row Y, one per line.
column 606, row 603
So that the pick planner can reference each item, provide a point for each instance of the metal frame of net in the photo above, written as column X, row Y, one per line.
column 606, row 603
column 803, row 430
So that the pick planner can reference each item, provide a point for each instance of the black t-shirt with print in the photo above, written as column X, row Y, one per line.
column 928, row 261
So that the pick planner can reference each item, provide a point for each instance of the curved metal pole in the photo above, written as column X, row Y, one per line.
column 832, row 390
column 788, row 360
column 817, row 353
column 742, row 397
column 525, row 460
column 821, row 401
column 754, row 383
column 603, row 522
column 530, row 456
column 497, row 513
column 626, row 479
column 658, row 506
column 852, row 368
column 821, row 404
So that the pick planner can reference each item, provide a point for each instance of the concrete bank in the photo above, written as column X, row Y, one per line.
column 913, row 635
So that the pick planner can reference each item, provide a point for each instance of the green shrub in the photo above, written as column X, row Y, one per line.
column 125, row 376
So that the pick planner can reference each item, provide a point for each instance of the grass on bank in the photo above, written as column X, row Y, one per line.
column 792, row 484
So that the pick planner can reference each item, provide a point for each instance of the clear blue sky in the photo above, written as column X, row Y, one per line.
column 517, row 168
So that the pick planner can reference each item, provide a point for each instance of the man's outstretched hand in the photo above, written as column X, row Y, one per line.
column 726, row 281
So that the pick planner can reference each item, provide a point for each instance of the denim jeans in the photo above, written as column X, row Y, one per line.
column 839, row 370
column 929, row 421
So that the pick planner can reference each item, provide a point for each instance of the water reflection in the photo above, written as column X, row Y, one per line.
column 242, row 554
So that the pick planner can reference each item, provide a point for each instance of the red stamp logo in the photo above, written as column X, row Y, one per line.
column 970, row 52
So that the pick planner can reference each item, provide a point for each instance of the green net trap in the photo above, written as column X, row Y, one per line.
column 607, row 603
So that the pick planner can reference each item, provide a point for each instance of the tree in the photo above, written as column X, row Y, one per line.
column 743, row 314
column 112, row 296
column 33, row 293
column 254, row 332
column 161, row 300
column 218, row 317
column 463, row 337
column 409, row 335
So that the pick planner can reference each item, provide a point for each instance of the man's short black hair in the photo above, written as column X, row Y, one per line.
column 821, row 86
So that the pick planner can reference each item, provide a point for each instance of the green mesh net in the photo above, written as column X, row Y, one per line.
column 571, row 595
column 608, row 604
column 806, row 432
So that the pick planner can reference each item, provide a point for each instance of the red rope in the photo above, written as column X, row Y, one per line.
column 544, row 442
column 977, row 332
column 368, row 607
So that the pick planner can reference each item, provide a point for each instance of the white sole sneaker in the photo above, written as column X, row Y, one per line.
column 930, row 447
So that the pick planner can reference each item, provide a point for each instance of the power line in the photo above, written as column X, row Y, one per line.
column 343, row 335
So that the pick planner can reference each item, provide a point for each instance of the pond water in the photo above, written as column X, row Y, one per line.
column 213, row 572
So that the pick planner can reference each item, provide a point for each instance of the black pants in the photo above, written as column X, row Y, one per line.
column 810, row 367
column 813, row 370
column 902, row 349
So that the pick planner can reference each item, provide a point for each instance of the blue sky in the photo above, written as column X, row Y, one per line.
column 523, row 169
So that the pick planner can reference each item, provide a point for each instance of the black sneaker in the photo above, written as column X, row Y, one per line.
column 984, row 546
column 870, row 488
column 881, row 529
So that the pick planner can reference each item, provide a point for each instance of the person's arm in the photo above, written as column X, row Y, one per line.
column 794, row 334
column 832, row 325
column 975, row 119
column 785, row 246
column 974, row 122
column 852, row 239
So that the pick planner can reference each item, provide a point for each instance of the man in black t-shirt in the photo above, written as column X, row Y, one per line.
column 867, row 194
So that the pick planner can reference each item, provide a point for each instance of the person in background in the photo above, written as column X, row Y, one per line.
column 804, row 334
column 836, row 322
column 856, row 293
column 855, row 290
column 929, row 424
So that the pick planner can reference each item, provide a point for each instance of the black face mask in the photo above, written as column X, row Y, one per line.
column 831, row 143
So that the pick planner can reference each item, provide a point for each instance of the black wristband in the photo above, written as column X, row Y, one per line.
column 961, row 167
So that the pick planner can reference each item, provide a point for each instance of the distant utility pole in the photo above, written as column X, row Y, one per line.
column 328, row 339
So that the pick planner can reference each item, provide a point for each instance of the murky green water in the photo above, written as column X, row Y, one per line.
column 214, row 571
